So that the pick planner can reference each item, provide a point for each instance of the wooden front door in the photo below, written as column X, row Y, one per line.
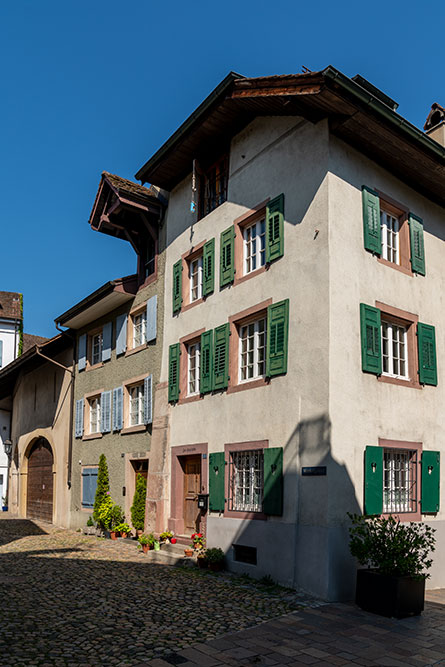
column 39, row 503
column 192, row 486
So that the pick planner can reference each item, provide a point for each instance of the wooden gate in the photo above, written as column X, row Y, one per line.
column 192, row 486
column 39, row 500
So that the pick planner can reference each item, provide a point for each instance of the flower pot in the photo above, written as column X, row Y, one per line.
column 4, row 508
column 145, row 548
column 113, row 535
column 216, row 567
column 188, row 552
column 389, row 595
column 203, row 563
column 124, row 535
column 173, row 540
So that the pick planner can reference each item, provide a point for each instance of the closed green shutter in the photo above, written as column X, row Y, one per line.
column 371, row 220
column 273, row 481
column 206, row 368
column 430, row 496
column 416, row 241
column 227, row 257
column 216, row 482
column 177, row 286
column 208, row 260
column 370, row 326
column 275, row 228
column 173, row 372
column 426, row 343
column 221, row 357
column 373, row 480
column 277, row 338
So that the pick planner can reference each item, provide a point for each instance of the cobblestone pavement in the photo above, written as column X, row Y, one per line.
column 70, row 599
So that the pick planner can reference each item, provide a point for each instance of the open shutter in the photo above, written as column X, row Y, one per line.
column 426, row 343
column 206, row 376
column 118, row 408
column 1, row 353
column 106, row 341
column 221, row 357
column 275, row 228
column 373, row 480
column 173, row 372
column 78, row 422
column 208, row 260
column 121, row 334
column 430, row 496
column 148, row 400
column 82, row 352
column 371, row 333
column 152, row 309
column 416, row 242
column 105, row 412
column 89, row 483
column 273, row 481
column 277, row 338
column 177, row 286
column 227, row 257
column 371, row 220
column 216, row 482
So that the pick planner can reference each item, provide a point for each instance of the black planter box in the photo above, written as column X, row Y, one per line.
column 389, row 595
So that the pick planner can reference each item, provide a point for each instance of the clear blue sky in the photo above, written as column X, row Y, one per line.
column 99, row 85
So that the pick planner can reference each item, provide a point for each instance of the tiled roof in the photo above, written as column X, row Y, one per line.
column 29, row 340
column 10, row 305
column 127, row 186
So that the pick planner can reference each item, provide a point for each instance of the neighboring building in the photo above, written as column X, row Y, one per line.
column 37, row 391
column 299, row 375
column 118, row 332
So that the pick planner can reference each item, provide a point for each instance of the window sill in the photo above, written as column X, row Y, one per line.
column 92, row 367
column 398, row 267
column 91, row 436
column 134, row 429
column 148, row 280
column 402, row 383
column 252, row 274
column 233, row 514
column 133, row 350
column 190, row 399
column 191, row 305
column 253, row 384
column 404, row 516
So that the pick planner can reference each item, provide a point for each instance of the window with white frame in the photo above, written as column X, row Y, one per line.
column 139, row 328
column 252, row 350
column 195, row 272
column 390, row 237
column 394, row 350
column 254, row 246
column 399, row 481
column 246, row 481
column 194, row 364
column 94, row 409
column 136, row 404
column 96, row 348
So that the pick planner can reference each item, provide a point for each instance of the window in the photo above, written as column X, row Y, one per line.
column 395, row 350
column 150, row 257
column 96, row 348
column 89, row 484
column 254, row 246
column 213, row 186
column 252, row 350
column 94, row 410
column 246, row 481
column 136, row 404
column 139, row 328
column 389, row 225
column 194, row 359
column 399, row 481
column 195, row 276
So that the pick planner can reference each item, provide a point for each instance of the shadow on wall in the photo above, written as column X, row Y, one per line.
column 307, row 547
column 15, row 529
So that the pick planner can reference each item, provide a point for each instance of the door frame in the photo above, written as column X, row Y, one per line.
column 24, row 475
column 176, row 519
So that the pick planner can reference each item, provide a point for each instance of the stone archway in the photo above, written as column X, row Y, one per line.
column 39, row 496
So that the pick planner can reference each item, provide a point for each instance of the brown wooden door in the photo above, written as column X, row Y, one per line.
column 39, row 503
column 192, row 486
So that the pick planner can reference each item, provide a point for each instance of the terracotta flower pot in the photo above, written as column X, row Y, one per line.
column 124, row 535
column 113, row 535
column 145, row 548
column 188, row 552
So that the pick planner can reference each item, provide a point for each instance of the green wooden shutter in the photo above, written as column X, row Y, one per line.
column 371, row 220
column 426, row 343
column 221, row 357
column 371, row 334
column 277, row 338
column 273, row 481
column 416, row 241
column 177, row 286
column 173, row 372
column 227, row 257
column 275, row 228
column 206, row 368
column 373, row 480
column 430, row 496
column 208, row 260
column 216, row 482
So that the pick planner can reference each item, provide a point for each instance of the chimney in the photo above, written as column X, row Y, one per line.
column 435, row 124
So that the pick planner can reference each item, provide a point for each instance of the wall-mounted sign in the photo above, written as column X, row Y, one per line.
column 313, row 471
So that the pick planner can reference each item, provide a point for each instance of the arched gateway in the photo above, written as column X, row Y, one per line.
column 39, row 497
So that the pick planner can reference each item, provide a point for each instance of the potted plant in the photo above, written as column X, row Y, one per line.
column 124, row 529
column 397, row 556
column 146, row 542
column 156, row 545
column 103, row 513
column 198, row 541
column 165, row 537
column 202, row 561
column 4, row 504
column 90, row 529
column 116, row 518
column 138, row 506
column 188, row 551
column 102, row 490
column 215, row 558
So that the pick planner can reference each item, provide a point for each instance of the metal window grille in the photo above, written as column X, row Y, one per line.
column 136, row 405
column 246, row 481
column 139, row 329
column 252, row 350
column 254, row 246
column 394, row 350
column 399, row 480
column 390, row 237
column 194, row 369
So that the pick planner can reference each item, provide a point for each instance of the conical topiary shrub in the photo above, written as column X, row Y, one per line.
column 138, row 506
column 102, row 488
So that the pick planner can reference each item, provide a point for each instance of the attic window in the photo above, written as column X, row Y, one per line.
column 150, row 255
column 213, row 186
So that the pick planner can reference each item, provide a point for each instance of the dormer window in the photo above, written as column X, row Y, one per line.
column 213, row 186
column 150, row 256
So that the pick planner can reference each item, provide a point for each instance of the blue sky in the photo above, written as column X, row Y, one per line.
column 93, row 86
